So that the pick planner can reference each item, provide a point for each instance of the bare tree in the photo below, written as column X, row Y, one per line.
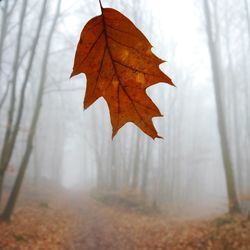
column 8, row 133
column 37, row 109
column 221, row 119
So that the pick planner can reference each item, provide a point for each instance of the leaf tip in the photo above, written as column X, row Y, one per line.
column 113, row 135
column 85, row 105
column 72, row 74
column 169, row 81
column 157, row 137
column 172, row 84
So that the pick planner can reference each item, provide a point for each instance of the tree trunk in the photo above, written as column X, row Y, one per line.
column 224, row 144
column 247, row 89
column 5, row 148
column 248, row 17
column 114, row 169
column 15, row 191
column 1, row 185
column 4, row 95
column 4, row 32
column 135, row 176
column 4, row 26
column 235, row 112
column 145, row 171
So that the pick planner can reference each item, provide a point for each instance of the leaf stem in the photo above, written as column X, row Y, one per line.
column 101, row 4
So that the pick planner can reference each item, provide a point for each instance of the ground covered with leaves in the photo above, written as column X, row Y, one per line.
column 63, row 221
column 42, row 220
column 106, row 227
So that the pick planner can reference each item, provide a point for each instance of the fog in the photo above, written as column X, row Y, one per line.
column 201, row 167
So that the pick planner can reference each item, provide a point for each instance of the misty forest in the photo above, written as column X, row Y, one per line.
column 70, row 180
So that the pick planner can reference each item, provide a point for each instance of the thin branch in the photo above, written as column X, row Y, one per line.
column 101, row 4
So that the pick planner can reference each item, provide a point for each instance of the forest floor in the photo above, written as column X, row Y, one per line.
column 54, row 220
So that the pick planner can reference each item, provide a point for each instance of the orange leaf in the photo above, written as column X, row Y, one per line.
column 119, row 64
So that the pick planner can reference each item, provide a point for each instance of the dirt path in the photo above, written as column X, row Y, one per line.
column 96, row 228
column 100, row 227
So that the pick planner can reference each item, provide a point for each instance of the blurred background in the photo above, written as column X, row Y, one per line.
column 202, row 164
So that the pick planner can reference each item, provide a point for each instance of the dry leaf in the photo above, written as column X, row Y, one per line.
column 119, row 64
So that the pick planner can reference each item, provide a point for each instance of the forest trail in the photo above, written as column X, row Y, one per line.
column 77, row 221
column 96, row 228
column 100, row 227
